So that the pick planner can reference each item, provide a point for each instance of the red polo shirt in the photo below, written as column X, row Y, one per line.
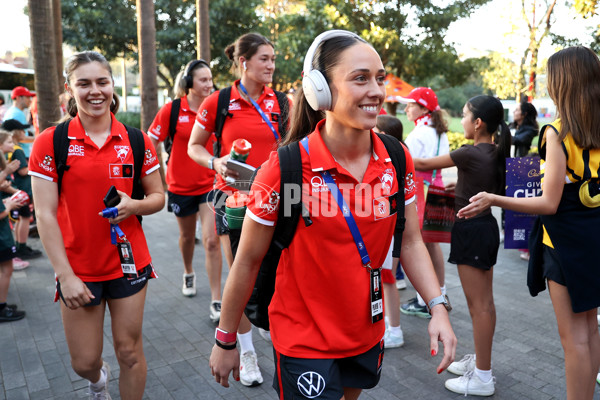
column 245, row 123
column 321, row 306
column 92, row 171
column 184, row 175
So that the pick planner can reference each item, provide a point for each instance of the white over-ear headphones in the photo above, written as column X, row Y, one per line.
column 315, row 87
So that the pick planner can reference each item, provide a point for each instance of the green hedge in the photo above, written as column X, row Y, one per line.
column 130, row 118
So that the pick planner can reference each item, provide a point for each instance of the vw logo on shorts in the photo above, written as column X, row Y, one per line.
column 311, row 384
column 175, row 207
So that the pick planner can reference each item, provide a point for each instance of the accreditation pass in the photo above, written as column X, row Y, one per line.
column 376, row 295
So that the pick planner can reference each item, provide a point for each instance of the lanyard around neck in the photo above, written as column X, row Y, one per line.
column 337, row 195
column 260, row 111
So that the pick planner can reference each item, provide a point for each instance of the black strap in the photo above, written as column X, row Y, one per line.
column 222, row 114
column 61, row 150
column 396, row 152
column 173, row 119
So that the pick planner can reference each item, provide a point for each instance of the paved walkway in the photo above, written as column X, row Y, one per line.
column 178, row 337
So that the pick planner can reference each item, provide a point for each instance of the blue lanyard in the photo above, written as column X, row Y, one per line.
column 114, row 228
column 260, row 111
column 337, row 195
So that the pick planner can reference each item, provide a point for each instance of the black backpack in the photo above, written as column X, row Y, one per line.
column 223, row 113
column 173, row 118
column 136, row 138
column 257, row 308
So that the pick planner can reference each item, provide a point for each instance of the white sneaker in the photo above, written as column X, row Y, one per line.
column 463, row 366
column 189, row 285
column 391, row 341
column 470, row 384
column 19, row 264
column 401, row 284
column 103, row 393
column 265, row 334
column 214, row 312
column 249, row 372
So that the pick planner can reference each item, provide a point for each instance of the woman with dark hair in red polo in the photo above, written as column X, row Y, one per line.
column 326, row 316
column 94, row 268
column 254, row 114
column 190, row 185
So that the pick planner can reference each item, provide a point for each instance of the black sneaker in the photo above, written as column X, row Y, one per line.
column 27, row 253
column 8, row 314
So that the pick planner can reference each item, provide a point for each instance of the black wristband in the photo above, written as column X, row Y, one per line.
column 226, row 346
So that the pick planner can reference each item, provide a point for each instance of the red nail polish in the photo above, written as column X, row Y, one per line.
column 433, row 353
column 439, row 371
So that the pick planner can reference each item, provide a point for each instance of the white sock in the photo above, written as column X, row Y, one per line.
column 420, row 300
column 245, row 340
column 443, row 289
column 484, row 376
column 98, row 386
column 395, row 330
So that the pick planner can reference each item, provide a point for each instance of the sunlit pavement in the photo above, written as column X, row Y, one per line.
column 178, row 337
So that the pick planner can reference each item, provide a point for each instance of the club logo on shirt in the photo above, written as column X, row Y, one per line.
column 184, row 119
column 271, row 206
column 149, row 158
column 45, row 165
column 235, row 106
column 387, row 181
column 384, row 206
column 122, row 152
column 120, row 171
column 76, row 150
column 410, row 183
column 269, row 104
column 275, row 117
column 311, row 384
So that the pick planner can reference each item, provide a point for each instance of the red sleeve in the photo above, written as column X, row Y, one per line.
column 151, row 163
column 207, row 113
column 410, row 187
column 159, row 130
column 264, row 196
column 41, row 161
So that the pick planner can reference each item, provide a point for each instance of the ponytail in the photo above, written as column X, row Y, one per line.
column 439, row 121
column 303, row 119
column 502, row 138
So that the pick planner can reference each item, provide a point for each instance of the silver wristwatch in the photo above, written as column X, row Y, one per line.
column 442, row 299
column 210, row 162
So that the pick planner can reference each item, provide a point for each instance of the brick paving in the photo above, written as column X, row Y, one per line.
column 178, row 337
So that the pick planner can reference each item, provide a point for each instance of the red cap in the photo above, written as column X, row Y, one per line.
column 21, row 91
column 424, row 96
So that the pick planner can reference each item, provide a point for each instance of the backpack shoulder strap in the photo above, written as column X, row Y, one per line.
column 396, row 152
column 284, row 108
column 173, row 118
column 61, row 150
column 222, row 114
column 290, row 200
column 136, row 139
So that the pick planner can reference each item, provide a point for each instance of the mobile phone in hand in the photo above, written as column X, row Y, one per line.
column 112, row 197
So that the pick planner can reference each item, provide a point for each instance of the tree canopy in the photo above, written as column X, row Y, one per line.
column 409, row 35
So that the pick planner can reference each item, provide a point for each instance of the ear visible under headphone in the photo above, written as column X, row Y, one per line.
column 187, row 78
column 314, row 84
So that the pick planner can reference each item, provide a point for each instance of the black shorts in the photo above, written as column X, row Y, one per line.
column 115, row 289
column 219, row 207
column 24, row 212
column 475, row 242
column 183, row 205
column 8, row 254
column 552, row 266
column 301, row 378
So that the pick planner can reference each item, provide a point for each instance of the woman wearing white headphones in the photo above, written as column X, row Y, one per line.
column 326, row 316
